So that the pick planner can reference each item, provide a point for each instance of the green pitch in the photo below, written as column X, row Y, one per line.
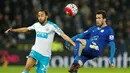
column 18, row 69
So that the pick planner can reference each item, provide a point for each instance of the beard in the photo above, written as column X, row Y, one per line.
column 42, row 22
column 100, row 24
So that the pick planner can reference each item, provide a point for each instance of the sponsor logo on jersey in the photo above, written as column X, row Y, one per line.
column 95, row 37
column 42, row 34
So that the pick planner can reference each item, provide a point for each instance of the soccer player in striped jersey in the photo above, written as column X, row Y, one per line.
column 41, row 51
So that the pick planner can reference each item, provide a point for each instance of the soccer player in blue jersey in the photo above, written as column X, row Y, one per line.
column 92, row 42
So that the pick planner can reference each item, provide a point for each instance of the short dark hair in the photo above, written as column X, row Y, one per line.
column 46, row 13
column 102, row 12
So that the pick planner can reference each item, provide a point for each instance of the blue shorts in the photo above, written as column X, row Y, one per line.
column 41, row 61
column 88, row 52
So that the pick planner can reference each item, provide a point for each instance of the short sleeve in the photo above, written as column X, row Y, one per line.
column 31, row 27
column 57, row 29
column 87, row 32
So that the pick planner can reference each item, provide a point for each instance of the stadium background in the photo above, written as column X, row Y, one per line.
column 14, row 47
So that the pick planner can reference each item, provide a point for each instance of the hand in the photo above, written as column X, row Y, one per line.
column 111, row 65
column 10, row 29
column 67, row 45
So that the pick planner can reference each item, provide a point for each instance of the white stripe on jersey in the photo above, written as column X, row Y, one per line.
column 44, row 37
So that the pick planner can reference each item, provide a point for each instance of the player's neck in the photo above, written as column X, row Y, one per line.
column 45, row 22
column 103, row 25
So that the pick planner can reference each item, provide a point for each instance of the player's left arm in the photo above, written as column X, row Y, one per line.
column 112, row 52
column 65, row 37
column 62, row 34
column 112, row 47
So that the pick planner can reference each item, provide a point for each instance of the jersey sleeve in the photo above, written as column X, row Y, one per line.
column 88, row 32
column 83, row 35
column 31, row 27
column 111, row 35
column 112, row 45
column 57, row 29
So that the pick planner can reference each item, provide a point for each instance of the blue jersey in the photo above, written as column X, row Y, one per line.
column 97, row 39
column 99, row 36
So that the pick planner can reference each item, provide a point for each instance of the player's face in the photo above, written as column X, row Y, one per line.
column 42, row 17
column 99, row 20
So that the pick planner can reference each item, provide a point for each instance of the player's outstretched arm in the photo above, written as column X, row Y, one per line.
column 24, row 29
column 83, row 34
column 67, row 45
column 65, row 37
column 77, row 36
column 112, row 53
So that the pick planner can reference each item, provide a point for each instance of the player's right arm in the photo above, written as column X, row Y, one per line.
column 112, row 47
column 24, row 29
column 82, row 35
column 112, row 53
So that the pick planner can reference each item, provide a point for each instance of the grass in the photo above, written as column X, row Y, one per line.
column 18, row 69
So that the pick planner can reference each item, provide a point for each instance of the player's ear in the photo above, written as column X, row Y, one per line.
column 104, row 19
column 46, row 17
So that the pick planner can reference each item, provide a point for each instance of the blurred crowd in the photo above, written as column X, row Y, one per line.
column 23, row 13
